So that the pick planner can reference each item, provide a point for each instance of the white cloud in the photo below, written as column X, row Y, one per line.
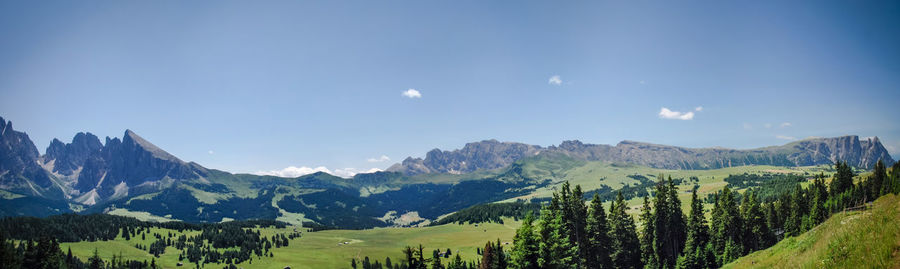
column 665, row 113
column 698, row 109
column 642, row 82
column 784, row 137
column 412, row 93
column 747, row 126
column 350, row 172
column 555, row 80
column 383, row 158
column 212, row 152
column 767, row 125
column 293, row 171
column 785, row 124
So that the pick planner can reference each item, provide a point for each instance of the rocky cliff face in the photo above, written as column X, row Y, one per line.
column 66, row 159
column 131, row 162
column 862, row 153
column 19, row 168
column 488, row 155
column 484, row 155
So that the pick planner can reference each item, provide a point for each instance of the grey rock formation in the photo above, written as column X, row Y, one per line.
column 67, row 158
column 133, row 161
column 19, row 168
column 484, row 155
column 814, row 151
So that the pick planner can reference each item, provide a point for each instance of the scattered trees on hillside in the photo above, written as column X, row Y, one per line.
column 45, row 253
column 738, row 226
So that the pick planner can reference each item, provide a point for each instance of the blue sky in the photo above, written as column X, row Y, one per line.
column 248, row 87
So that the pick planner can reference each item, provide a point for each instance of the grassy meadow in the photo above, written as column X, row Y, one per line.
column 325, row 249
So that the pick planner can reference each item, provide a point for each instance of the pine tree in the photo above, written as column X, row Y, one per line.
column 895, row 178
column 793, row 226
column 8, row 253
column 597, row 253
column 436, row 260
column 817, row 212
column 697, row 236
column 457, row 263
column 578, row 223
column 647, row 238
column 95, row 262
column 757, row 233
column 715, row 230
column 675, row 226
column 843, row 179
column 500, row 260
column 728, row 227
column 556, row 250
column 660, row 219
column 772, row 221
column 525, row 246
column 878, row 179
column 420, row 256
column 625, row 248
column 70, row 259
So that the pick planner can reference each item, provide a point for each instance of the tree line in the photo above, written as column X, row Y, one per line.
column 570, row 235
column 94, row 227
column 493, row 212
column 45, row 253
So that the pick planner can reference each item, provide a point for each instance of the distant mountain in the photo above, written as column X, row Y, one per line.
column 491, row 154
column 484, row 155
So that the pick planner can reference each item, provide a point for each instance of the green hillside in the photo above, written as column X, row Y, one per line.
column 857, row 239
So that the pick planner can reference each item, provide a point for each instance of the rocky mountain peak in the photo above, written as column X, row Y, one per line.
column 122, row 165
column 132, row 138
column 69, row 157
column 19, row 166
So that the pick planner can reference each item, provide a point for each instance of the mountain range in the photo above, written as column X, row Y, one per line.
column 132, row 176
column 492, row 154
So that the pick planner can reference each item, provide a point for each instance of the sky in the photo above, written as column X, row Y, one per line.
column 351, row 86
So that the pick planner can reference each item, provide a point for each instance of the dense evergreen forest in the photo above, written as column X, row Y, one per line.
column 225, row 243
column 571, row 234
column 490, row 213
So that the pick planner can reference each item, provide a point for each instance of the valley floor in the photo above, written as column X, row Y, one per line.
column 326, row 249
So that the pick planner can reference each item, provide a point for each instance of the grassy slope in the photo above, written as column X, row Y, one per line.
column 592, row 175
column 321, row 249
column 860, row 239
